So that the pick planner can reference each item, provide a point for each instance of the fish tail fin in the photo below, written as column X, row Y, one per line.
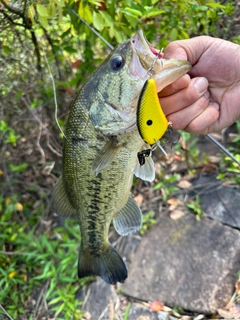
column 108, row 265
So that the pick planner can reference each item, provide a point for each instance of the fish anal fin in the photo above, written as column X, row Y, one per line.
column 60, row 201
column 105, row 156
column 129, row 218
column 108, row 265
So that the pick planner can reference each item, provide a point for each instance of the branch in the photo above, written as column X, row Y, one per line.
column 12, row 9
column 11, row 20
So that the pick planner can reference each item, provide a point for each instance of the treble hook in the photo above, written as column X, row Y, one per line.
column 150, row 73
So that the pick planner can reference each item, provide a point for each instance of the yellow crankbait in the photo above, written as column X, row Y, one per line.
column 151, row 121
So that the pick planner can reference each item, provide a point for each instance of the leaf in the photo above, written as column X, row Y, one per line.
column 176, row 214
column 173, row 34
column 59, row 14
column 19, row 168
column 70, row 49
column 153, row 13
column 184, row 184
column 51, row 9
column 60, row 2
column 43, row 21
column 98, row 21
column 85, row 13
column 156, row 306
column 136, row 13
column 42, row 11
column 107, row 18
column 129, row 13
column 31, row 13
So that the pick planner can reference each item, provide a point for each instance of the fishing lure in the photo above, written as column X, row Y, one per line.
column 151, row 120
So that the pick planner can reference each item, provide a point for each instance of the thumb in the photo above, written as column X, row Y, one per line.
column 190, row 49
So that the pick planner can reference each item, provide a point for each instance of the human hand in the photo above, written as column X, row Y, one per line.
column 209, row 99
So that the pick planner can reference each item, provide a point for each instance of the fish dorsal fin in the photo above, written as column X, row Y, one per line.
column 129, row 218
column 151, row 120
column 145, row 171
column 60, row 202
column 105, row 156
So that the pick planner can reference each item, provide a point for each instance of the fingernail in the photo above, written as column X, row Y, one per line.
column 215, row 105
column 201, row 84
column 207, row 94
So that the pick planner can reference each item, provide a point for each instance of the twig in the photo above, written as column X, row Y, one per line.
column 12, row 9
column 5, row 311
column 41, row 126
column 50, row 147
column 41, row 295
column 27, row 25
column 86, row 298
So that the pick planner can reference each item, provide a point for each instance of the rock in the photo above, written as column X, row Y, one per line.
column 138, row 312
column 186, row 263
column 219, row 202
column 99, row 299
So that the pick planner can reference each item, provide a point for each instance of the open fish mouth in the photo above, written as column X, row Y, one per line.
column 163, row 71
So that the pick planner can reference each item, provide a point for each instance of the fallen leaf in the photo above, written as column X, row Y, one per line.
column 174, row 201
column 156, row 306
column 76, row 64
column 214, row 159
column 235, row 310
column 19, row 206
column 178, row 157
column 176, row 214
column 237, row 286
column 139, row 199
column 70, row 91
column 227, row 314
column 184, row 184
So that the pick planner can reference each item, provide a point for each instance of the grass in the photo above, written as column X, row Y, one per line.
column 38, row 269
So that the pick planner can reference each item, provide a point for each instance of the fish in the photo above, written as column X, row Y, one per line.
column 100, row 153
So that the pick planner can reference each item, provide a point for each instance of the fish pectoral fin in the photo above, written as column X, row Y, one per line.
column 129, row 218
column 146, row 171
column 60, row 202
column 105, row 156
column 108, row 265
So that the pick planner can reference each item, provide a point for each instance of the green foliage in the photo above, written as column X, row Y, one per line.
column 167, row 185
column 126, row 313
column 34, row 264
column 148, row 221
column 8, row 133
column 195, row 207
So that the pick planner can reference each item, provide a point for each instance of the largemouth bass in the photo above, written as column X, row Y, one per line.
column 100, row 153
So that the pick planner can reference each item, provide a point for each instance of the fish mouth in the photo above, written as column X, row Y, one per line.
column 163, row 71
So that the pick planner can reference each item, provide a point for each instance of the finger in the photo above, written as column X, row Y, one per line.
column 176, row 86
column 185, row 97
column 182, row 118
column 205, row 121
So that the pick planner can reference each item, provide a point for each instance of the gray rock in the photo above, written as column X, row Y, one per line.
column 140, row 313
column 99, row 298
column 219, row 202
column 186, row 263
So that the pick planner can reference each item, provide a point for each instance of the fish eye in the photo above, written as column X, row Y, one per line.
column 117, row 63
